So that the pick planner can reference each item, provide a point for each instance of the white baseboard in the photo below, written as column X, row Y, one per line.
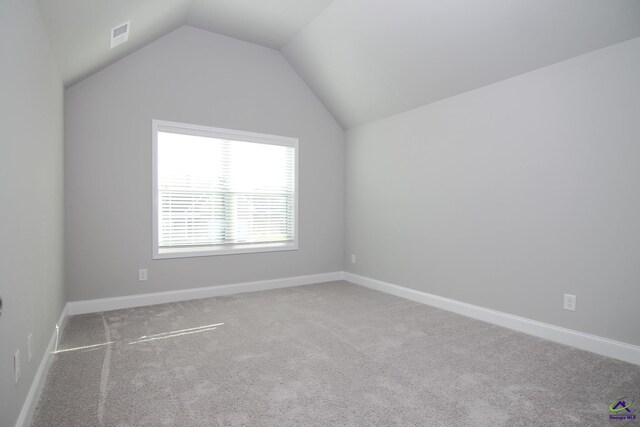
column 106, row 304
column 33, row 397
column 604, row 346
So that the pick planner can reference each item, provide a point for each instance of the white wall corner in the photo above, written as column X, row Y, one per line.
column 593, row 343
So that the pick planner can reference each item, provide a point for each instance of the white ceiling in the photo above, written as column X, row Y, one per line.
column 270, row 23
column 365, row 59
column 79, row 30
column 369, row 59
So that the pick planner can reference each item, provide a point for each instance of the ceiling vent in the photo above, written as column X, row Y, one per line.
column 120, row 34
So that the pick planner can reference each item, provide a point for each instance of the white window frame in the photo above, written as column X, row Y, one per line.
column 229, row 134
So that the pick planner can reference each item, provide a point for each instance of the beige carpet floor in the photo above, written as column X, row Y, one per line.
column 320, row 355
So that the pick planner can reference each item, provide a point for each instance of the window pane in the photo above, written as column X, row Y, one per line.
column 214, row 192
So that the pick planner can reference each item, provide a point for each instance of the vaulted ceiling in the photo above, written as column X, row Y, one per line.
column 79, row 30
column 364, row 59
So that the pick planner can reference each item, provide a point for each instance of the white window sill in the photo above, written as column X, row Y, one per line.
column 223, row 250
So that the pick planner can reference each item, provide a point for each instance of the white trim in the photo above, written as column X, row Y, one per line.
column 600, row 345
column 604, row 346
column 222, row 133
column 106, row 304
column 154, row 187
column 227, row 250
column 33, row 397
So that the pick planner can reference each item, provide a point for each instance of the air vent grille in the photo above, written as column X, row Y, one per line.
column 120, row 34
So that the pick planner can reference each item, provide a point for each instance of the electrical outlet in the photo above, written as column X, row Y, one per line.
column 16, row 366
column 30, row 346
column 569, row 302
column 142, row 275
column 353, row 259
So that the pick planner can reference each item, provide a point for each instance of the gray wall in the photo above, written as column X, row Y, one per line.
column 31, row 223
column 190, row 76
column 511, row 195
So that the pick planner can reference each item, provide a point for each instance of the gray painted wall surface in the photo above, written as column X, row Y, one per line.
column 189, row 76
column 31, row 184
column 511, row 195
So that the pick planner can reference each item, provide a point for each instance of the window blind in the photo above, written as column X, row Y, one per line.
column 215, row 192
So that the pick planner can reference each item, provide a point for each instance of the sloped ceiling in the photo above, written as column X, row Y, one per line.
column 369, row 59
column 365, row 59
column 79, row 30
column 270, row 23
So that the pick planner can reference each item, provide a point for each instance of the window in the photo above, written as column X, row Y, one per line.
column 221, row 191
